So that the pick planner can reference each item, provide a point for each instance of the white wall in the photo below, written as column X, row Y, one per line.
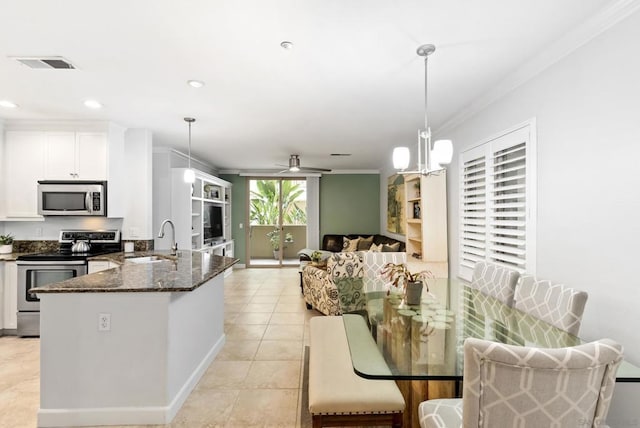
column 49, row 229
column 588, row 179
column 2, row 208
column 138, row 149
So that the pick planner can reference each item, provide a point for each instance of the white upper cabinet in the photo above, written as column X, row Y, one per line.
column 33, row 153
column 76, row 155
column 92, row 149
column 24, row 166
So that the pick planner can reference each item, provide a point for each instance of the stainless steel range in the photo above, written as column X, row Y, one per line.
column 35, row 270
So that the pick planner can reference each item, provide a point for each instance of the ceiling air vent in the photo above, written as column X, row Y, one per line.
column 48, row 62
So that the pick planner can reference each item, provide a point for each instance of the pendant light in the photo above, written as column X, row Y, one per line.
column 435, row 156
column 189, row 174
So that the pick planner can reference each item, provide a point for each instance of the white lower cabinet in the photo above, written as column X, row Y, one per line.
column 1, row 297
column 99, row 265
column 10, row 295
column 223, row 249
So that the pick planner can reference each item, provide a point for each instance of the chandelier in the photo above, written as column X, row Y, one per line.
column 436, row 155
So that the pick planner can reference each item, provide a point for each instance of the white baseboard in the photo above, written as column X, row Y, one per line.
column 183, row 394
column 152, row 415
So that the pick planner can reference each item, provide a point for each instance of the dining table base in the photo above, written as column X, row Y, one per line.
column 417, row 391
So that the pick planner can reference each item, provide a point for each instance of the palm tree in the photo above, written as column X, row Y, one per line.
column 264, row 203
column 264, row 208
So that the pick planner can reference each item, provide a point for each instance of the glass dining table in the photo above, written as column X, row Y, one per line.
column 421, row 347
column 425, row 342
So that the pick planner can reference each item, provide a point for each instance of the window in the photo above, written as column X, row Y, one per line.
column 497, row 202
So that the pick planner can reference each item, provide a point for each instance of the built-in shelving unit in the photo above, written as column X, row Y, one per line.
column 191, row 207
column 426, row 217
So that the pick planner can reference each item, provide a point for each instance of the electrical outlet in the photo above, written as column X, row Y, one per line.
column 104, row 322
column 240, row 226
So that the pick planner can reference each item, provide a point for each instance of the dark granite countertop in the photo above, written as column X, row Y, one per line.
column 11, row 257
column 184, row 272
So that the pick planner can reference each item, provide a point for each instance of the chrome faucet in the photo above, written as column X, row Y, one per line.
column 174, row 247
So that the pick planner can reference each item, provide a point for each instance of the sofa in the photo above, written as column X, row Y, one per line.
column 335, row 243
column 342, row 285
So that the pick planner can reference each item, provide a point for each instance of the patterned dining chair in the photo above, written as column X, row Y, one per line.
column 495, row 280
column 552, row 303
column 509, row 386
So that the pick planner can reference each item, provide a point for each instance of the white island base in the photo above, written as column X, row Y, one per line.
column 138, row 372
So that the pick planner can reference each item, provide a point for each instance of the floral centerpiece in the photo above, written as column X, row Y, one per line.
column 400, row 276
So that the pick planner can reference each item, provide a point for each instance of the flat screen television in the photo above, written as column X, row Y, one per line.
column 212, row 223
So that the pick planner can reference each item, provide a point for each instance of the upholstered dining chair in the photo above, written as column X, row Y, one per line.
column 495, row 280
column 509, row 386
column 554, row 304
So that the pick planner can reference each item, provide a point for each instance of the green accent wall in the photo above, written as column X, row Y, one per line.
column 349, row 203
column 238, row 213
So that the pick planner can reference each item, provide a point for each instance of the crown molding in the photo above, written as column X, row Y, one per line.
column 606, row 18
column 272, row 173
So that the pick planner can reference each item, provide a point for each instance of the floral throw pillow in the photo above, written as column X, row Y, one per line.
column 350, row 244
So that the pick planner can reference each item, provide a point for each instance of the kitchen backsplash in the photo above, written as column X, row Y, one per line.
column 141, row 245
column 24, row 246
column 35, row 246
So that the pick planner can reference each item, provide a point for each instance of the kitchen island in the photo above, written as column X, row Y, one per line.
column 127, row 345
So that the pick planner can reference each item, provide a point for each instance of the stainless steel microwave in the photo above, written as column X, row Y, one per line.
column 72, row 198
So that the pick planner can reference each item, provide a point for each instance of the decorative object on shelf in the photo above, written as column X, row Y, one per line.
column 435, row 156
column 396, row 215
column 206, row 191
column 416, row 210
column 189, row 174
column 6, row 244
column 400, row 276
column 274, row 240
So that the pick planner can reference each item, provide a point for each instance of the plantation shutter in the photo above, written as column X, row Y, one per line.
column 497, row 203
column 473, row 209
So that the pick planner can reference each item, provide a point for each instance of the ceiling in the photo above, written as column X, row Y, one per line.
column 351, row 84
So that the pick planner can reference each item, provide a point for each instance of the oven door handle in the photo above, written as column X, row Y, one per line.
column 50, row 262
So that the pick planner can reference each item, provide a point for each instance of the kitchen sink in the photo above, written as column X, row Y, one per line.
column 145, row 259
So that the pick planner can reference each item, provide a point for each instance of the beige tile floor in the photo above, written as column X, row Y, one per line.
column 255, row 381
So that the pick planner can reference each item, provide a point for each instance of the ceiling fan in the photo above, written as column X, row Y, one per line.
column 294, row 166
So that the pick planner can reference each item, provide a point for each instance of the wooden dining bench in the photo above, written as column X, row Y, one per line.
column 338, row 396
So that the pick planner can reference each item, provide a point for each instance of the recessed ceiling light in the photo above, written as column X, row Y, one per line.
column 286, row 45
column 195, row 83
column 7, row 104
column 92, row 104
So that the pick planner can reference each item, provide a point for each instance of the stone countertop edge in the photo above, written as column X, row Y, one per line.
column 184, row 272
column 11, row 257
